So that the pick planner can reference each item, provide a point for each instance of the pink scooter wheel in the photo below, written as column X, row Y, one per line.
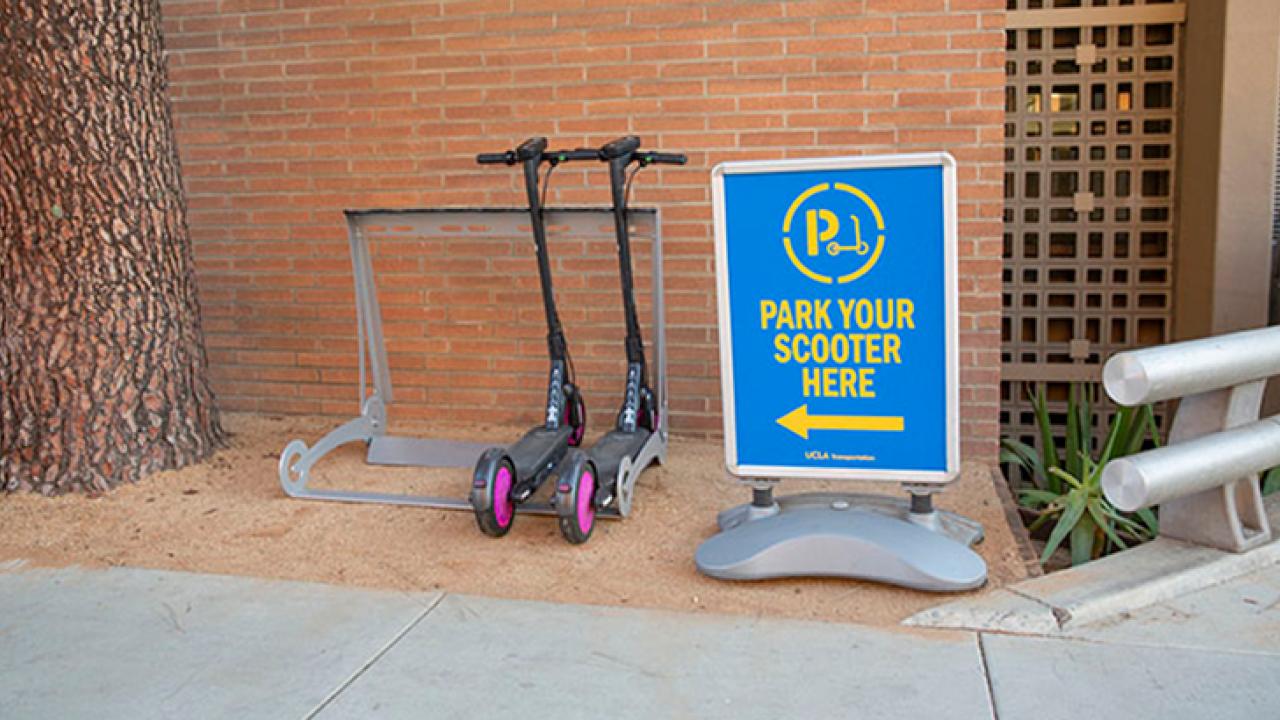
column 496, row 519
column 577, row 508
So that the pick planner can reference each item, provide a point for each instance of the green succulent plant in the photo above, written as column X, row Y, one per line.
column 1067, row 491
column 1271, row 481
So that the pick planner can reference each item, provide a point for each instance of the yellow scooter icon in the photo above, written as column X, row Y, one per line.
column 828, row 234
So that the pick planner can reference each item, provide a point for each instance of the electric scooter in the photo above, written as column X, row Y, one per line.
column 507, row 476
column 616, row 460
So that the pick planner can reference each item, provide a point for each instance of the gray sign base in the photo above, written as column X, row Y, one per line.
column 869, row 537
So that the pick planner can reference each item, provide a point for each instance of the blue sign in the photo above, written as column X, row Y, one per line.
column 837, row 296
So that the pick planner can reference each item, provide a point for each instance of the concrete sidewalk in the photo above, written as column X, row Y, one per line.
column 151, row 644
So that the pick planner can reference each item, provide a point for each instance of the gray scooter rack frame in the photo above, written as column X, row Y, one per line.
column 370, row 426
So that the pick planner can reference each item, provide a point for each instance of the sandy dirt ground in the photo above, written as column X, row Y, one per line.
column 230, row 516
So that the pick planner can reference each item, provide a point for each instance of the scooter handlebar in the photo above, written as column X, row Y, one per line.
column 659, row 158
column 578, row 154
column 620, row 148
column 502, row 158
column 531, row 148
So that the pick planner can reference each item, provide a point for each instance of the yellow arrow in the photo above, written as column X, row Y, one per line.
column 800, row 422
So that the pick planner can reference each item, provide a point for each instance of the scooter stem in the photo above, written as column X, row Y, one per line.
column 530, row 156
column 555, row 332
column 617, row 185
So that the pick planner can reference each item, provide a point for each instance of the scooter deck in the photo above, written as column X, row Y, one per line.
column 538, row 450
column 609, row 451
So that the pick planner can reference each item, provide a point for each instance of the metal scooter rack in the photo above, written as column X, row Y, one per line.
column 370, row 426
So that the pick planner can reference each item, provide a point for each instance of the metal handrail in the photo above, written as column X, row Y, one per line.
column 1169, row 371
column 1205, row 479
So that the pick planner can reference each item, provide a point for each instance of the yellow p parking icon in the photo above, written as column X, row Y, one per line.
column 834, row 248
column 823, row 233
column 817, row 237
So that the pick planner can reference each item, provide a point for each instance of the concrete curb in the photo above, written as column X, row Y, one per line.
column 1153, row 573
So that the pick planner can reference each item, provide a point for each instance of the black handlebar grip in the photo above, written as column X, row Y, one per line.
column 559, row 156
column 655, row 158
column 620, row 147
column 505, row 158
column 578, row 154
column 531, row 148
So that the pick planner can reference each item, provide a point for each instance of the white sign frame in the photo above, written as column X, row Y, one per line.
column 951, row 311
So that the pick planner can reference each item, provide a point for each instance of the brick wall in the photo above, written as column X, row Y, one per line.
column 289, row 111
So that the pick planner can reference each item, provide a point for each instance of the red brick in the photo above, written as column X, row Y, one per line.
column 937, row 61
column 854, row 26
column 920, row 23
column 759, row 48
column 668, row 16
column 733, row 12
column 951, row 99
column 906, row 43
column 288, row 111
column 794, row 28
column 612, row 18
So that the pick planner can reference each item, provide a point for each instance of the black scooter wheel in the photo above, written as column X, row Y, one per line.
column 497, row 511
column 575, row 500
column 577, row 418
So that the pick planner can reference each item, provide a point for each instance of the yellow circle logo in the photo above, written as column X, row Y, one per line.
column 834, row 249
